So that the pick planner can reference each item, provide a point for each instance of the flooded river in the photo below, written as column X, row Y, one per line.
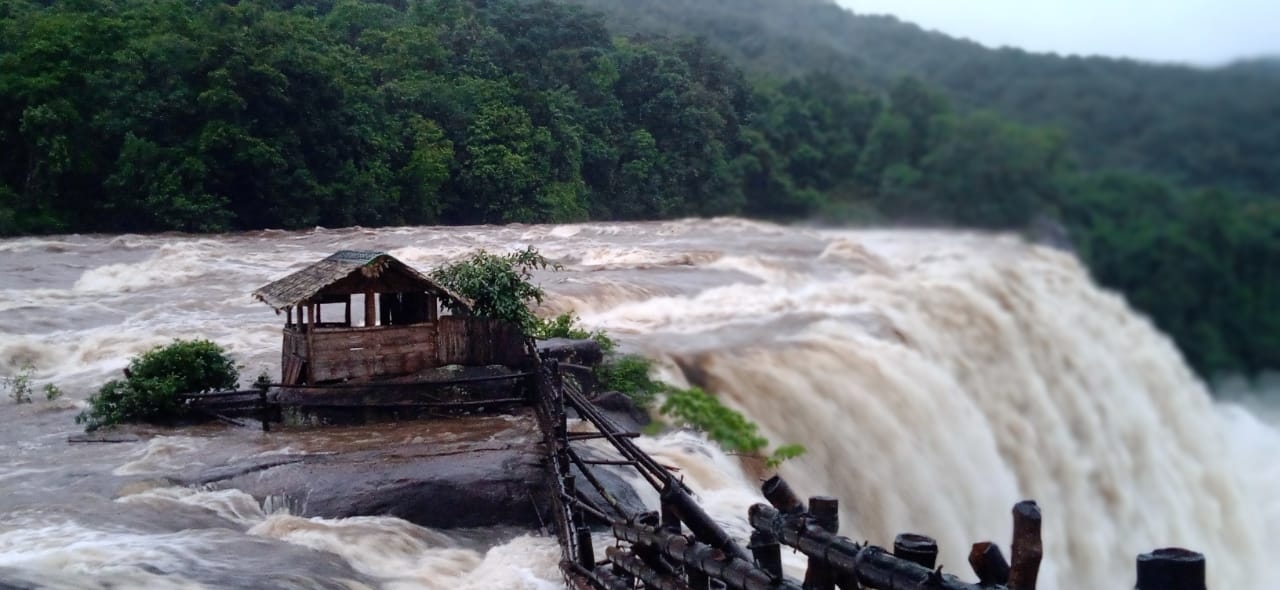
column 935, row 378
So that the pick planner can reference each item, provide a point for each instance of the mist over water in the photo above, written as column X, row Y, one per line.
column 935, row 378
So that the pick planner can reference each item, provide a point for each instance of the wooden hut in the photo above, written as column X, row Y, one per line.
column 403, row 323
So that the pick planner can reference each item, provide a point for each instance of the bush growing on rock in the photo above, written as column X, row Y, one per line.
column 566, row 325
column 498, row 286
column 629, row 374
column 154, row 382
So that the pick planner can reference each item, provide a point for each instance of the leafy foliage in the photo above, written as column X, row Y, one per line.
column 566, row 325
column 703, row 411
column 1203, row 126
column 498, row 286
column 152, row 115
column 691, row 407
column 155, row 381
column 141, row 115
column 19, row 385
column 629, row 374
column 783, row 453
column 1204, row 264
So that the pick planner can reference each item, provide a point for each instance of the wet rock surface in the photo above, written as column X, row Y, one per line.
column 467, row 487
column 456, row 473
column 567, row 350
column 622, row 410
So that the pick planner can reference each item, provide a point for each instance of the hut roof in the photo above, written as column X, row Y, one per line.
column 347, row 266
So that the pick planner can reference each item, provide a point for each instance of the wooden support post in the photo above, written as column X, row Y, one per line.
column 648, row 519
column 916, row 549
column 311, row 351
column 370, row 309
column 768, row 553
column 670, row 519
column 347, row 316
column 778, row 493
column 989, row 564
column 570, row 485
column 699, row 580
column 288, row 322
column 739, row 574
column 1027, row 549
column 1172, row 568
column 586, row 551
column 825, row 511
column 872, row 567
column 653, row 559
column 652, row 579
column 607, row 576
column 563, row 462
column 264, row 409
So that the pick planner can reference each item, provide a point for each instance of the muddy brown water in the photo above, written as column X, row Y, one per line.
column 936, row 378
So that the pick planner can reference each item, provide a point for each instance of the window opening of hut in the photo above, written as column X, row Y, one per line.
column 357, row 310
column 403, row 309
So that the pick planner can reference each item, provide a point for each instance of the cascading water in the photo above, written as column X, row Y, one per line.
column 935, row 378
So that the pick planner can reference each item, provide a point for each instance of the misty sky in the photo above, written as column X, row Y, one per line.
column 1197, row 31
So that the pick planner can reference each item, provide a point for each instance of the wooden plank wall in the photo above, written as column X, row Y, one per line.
column 477, row 341
column 368, row 352
column 360, row 353
column 292, row 356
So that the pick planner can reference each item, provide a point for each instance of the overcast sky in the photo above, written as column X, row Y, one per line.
column 1195, row 31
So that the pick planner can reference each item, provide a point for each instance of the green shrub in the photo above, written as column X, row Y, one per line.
column 699, row 409
column 195, row 366
column 52, row 392
column 629, row 374
column 155, row 382
column 19, row 385
column 499, row 287
column 783, row 453
column 566, row 325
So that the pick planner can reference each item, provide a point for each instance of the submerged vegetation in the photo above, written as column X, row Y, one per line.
column 154, row 115
column 19, row 385
column 154, row 383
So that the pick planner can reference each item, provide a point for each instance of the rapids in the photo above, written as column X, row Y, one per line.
column 936, row 379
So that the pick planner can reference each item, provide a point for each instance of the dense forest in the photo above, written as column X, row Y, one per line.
column 1200, row 127
column 152, row 115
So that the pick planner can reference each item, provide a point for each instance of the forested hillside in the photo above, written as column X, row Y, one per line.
column 153, row 115
column 1195, row 126
column 139, row 115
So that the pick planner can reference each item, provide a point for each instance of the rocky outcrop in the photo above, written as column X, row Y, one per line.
column 447, row 480
column 566, row 350
column 622, row 410
column 465, row 487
